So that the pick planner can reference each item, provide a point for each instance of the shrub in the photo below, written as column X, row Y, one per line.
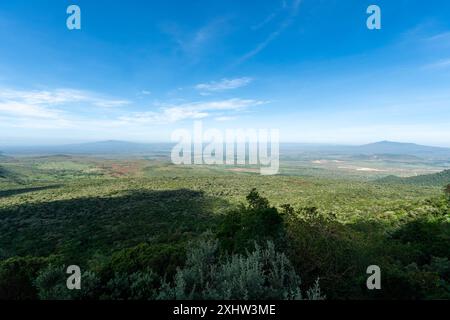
column 141, row 285
column 51, row 284
column 160, row 258
column 261, row 274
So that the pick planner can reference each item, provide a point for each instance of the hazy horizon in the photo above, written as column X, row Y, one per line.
column 81, row 142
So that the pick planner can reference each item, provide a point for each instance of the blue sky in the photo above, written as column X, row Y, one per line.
column 310, row 68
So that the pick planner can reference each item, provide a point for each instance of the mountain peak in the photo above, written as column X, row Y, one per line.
column 387, row 142
column 392, row 147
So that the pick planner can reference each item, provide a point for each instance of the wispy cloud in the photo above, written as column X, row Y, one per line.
column 267, row 20
column 57, row 97
column 441, row 37
column 36, row 97
column 186, row 111
column 271, row 16
column 223, row 85
column 106, row 103
column 48, row 108
column 292, row 11
column 193, row 42
column 59, row 109
column 224, row 118
column 13, row 108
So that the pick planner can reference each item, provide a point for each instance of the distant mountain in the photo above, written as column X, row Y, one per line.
column 435, row 179
column 387, row 150
column 379, row 150
column 389, row 147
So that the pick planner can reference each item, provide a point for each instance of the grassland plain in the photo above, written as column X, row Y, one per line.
column 86, row 211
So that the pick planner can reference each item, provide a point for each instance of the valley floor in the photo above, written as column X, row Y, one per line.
column 84, row 211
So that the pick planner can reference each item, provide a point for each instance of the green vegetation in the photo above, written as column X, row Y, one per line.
column 7, row 175
column 3, row 173
column 436, row 179
column 241, row 228
column 145, row 229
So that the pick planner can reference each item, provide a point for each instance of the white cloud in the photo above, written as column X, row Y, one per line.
column 58, row 97
column 224, row 118
column 48, row 109
column 14, row 108
column 105, row 103
column 224, row 84
column 41, row 97
column 230, row 104
column 185, row 111
column 57, row 109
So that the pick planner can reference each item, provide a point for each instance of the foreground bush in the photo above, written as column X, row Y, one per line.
column 261, row 274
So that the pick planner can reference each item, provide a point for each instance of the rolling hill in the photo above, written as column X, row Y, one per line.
column 436, row 179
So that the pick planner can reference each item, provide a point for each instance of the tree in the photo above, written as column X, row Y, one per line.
column 255, row 201
column 257, row 222
column 17, row 275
